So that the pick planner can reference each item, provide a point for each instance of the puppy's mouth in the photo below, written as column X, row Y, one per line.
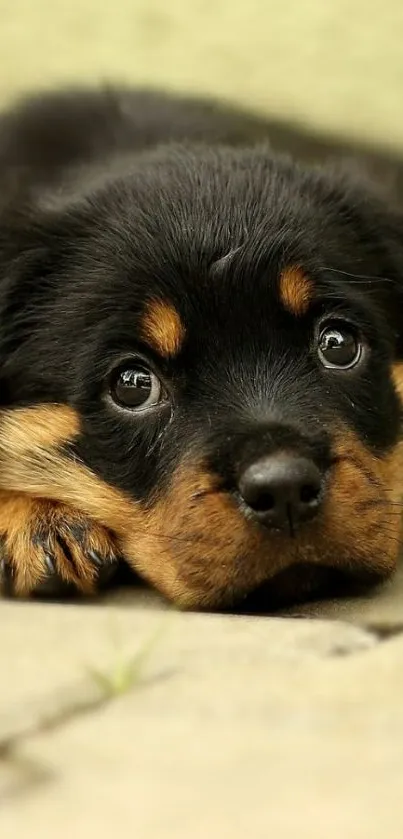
column 199, row 549
column 252, row 570
column 289, row 586
column 306, row 583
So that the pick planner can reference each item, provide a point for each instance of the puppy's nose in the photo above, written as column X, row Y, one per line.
column 282, row 490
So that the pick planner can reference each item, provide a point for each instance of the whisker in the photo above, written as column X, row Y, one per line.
column 349, row 457
column 187, row 540
column 384, row 502
column 204, row 493
column 392, row 539
column 358, row 277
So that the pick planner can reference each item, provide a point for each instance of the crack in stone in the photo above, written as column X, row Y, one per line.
column 92, row 695
column 97, row 691
column 31, row 773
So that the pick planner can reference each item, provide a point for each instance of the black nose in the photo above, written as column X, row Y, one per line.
column 282, row 490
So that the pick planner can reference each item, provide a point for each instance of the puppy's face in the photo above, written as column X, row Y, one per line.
column 222, row 325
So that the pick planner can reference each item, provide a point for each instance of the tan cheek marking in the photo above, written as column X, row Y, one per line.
column 193, row 544
column 397, row 378
column 296, row 291
column 163, row 328
column 201, row 535
column 205, row 553
column 197, row 548
column 219, row 553
column 392, row 473
column 361, row 514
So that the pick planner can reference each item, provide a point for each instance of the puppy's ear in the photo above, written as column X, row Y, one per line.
column 34, row 245
column 388, row 240
column 32, row 236
column 373, row 222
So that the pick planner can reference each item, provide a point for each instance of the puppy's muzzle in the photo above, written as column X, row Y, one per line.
column 281, row 491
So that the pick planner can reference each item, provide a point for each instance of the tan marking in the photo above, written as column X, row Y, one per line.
column 162, row 328
column 31, row 528
column 397, row 378
column 361, row 521
column 198, row 549
column 194, row 544
column 296, row 291
column 48, row 425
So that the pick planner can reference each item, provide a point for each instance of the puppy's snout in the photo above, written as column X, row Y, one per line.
column 282, row 490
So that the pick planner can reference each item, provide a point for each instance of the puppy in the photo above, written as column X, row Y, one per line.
column 200, row 355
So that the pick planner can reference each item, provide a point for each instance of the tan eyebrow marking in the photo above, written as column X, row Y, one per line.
column 296, row 290
column 163, row 328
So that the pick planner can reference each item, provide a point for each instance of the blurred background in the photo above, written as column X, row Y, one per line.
column 333, row 65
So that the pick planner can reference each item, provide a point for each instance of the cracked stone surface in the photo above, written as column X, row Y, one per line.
column 260, row 726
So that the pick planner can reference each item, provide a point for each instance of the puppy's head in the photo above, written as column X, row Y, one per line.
column 225, row 326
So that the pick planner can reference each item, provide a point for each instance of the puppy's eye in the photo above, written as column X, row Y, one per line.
column 137, row 388
column 339, row 346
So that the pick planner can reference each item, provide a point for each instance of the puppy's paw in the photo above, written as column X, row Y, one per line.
column 49, row 549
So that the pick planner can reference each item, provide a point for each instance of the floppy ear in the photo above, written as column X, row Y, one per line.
column 390, row 285
column 33, row 248
column 26, row 245
column 389, row 270
column 377, row 220
column 34, row 233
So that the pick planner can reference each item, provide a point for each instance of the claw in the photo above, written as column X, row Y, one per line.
column 106, row 566
column 96, row 558
column 6, row 573
column 50, row 565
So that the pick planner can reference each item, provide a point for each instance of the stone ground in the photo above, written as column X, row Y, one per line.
column 128, row 716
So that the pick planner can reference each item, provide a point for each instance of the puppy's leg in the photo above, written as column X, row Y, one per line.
column 49, row 548
column 55, row 514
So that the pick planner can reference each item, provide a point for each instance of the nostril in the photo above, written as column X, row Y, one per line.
column 309, row 493
column 263, row 503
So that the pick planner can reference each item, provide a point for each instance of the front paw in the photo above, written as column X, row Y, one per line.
column 49, row 549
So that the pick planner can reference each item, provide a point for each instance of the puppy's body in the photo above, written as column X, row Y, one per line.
column 171, row 293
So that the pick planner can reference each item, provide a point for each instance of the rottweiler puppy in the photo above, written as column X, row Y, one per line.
column 200, row 354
